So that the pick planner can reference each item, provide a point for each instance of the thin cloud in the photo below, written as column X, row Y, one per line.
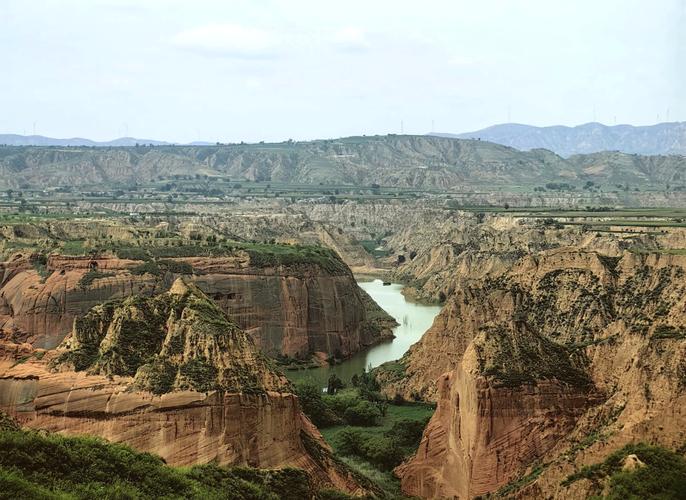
column 351, row 38
column 460, row 60
column 230, row 40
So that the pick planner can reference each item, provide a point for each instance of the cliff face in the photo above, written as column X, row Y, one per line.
column 557, row 361
column 292, row 310
column 40, row 308
column 170, row 374
column 509, row 400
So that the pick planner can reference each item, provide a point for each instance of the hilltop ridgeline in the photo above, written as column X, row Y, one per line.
column 396, row 161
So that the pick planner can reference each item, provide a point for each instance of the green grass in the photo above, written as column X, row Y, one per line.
column 519, row 483
column 371, row 246
column 628, row 223
column 617, row 213
column 384, row 479
column 260, row 254
column 51, row 466
column 667, row 251
column 73, row 247
column 668, row 332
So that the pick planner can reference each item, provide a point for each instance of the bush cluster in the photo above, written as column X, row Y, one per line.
column 387, row 450
column 664, row 474
column 363, row 406
column 36, row 465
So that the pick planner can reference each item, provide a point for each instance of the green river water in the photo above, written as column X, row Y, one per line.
column 413, row 318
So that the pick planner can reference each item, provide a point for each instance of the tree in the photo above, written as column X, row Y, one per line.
column 383, row 451
column 310, row 397
column 334, row 384
column 349, row 441
column 363, row 413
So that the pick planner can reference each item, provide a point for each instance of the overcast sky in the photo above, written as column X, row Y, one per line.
column 272, row 70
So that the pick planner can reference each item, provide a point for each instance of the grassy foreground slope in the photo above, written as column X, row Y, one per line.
column 50, row 466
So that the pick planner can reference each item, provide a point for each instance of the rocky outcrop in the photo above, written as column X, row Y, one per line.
column 510, row 399
column 171, row 375
column 293, row 310
column 178, row 340
column 38, row 305
column 559, row 360
column 294, row 313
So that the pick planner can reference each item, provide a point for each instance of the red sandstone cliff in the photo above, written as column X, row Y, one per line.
column 295, row 311
column 171, row 375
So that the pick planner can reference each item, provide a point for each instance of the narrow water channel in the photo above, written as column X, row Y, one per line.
column 413, row 318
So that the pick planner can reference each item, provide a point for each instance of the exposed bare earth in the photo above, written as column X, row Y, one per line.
column 555, row 358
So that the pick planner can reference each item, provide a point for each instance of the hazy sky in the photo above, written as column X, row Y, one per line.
column 272, row 70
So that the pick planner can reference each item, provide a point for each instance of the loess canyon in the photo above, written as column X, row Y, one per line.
column 542, row 362
column 294, row 310
column 173, row 375
column 560, row 345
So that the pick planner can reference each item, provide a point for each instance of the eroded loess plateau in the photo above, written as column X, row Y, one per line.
column 543, row 362
column 173, row 375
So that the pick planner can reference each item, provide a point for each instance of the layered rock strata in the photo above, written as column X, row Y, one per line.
column 172, row 375
column 293, row 310
column 554, row 363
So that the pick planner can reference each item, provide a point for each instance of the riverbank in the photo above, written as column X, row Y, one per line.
column 413, row 320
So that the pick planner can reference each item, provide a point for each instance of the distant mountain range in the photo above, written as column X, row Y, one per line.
column 39, row 140
column 662, row 138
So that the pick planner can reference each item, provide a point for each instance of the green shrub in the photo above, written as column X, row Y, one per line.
column 148, row 267
column 334, row 495
column 334, row 384
column 383, row 451
column 201, row 375
column 35, row 465
column 176, row 267
column 350, row 442
column 312, row 404
column 160, row 267
column 664, row 475
column 52, row 461
column 668, row 332
column 7, row 423
column 342, row 401
column 88, row 278
column 132, row 253
column 13, row 485
column 363, row 413
column 157, row 377
column 39, row 262
column 408, row 432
